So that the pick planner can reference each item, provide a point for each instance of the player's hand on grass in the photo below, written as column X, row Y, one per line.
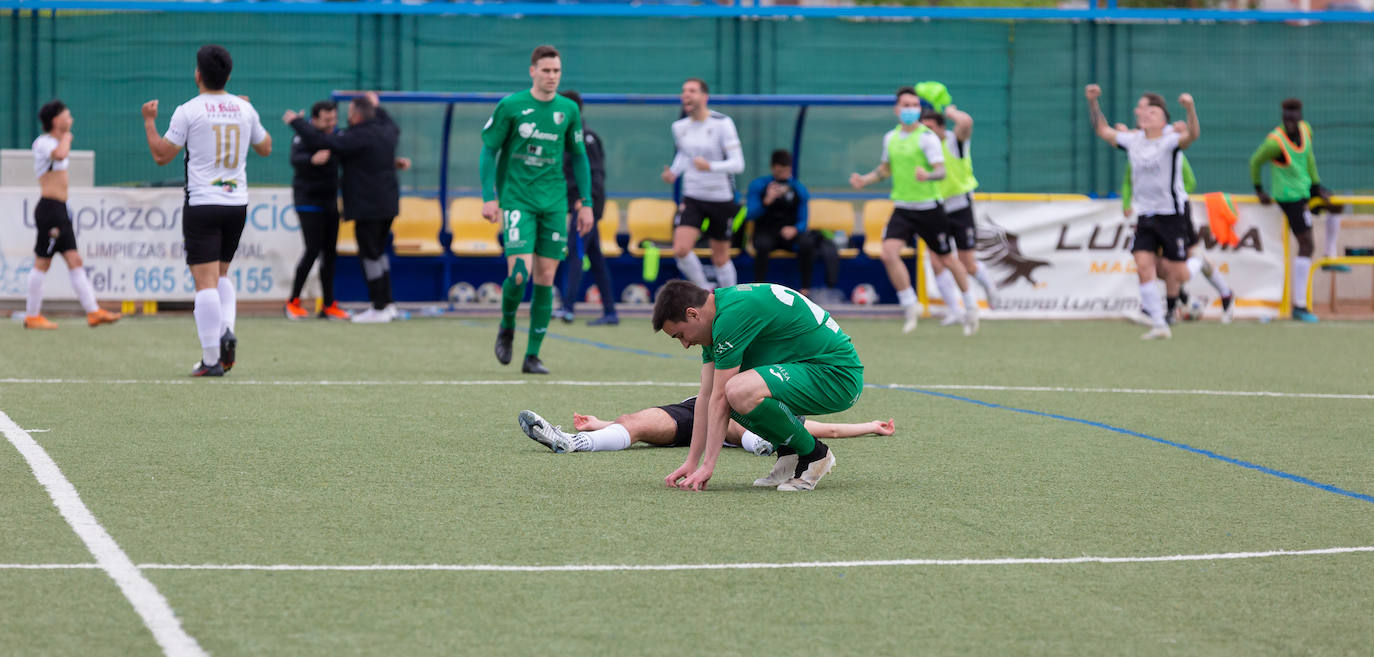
column 491, row 211
column 683, row 470
column 697, row 480
column 150, row 109
column 584, row 422
column 885, row 428
column 668, row 176
column 585, row 220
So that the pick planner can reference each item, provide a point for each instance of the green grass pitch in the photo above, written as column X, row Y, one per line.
column 397, row 445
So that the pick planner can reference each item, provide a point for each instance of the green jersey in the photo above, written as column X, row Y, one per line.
column 766, row 324
column 532, row 135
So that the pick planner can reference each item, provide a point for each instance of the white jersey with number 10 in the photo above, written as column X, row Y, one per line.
column 216, row 129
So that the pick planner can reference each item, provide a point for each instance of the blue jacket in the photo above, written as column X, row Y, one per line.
column 788, row 210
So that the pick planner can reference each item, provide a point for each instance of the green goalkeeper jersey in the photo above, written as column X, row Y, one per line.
column 531, row 135
column 767, row 324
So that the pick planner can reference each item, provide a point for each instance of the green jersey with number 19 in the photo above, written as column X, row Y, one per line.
column 532, row 135
column 767, row 324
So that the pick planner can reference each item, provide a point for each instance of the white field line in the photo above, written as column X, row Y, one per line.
column 146, row 599
column 1010, row 561
column 686, row 384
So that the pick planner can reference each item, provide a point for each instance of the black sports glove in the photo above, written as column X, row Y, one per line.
column 1264, row 198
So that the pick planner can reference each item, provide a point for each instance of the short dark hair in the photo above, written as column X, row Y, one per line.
column 1155, row 100
column 928, row 112
column 214, row 64
column 781, row 158
column 49, row 111
column 572, row 95
column 322, row 106
column 541, row 52
column 673, row 300
column 363, row 106
column 700, row 83
column 902, row 91
column 1292, row 105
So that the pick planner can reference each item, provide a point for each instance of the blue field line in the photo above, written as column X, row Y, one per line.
column 1187, row 448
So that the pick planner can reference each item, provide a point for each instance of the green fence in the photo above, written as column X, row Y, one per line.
column 1021, row 80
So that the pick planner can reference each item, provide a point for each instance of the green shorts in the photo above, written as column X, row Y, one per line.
column 813, row 388
column 540, row 232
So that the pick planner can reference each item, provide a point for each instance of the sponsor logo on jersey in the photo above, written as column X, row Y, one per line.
column 490, row 119
column 558, row 118
column 722, row 347
column 529, row 130
column 781, row 374
column 226, row 185
column 525, row 111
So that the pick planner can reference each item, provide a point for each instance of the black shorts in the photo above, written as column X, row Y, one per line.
column 55, row 232
column 721, row 213
column 1299, row 221
column 1166, row 234
column 961, row 230
column 212, row 232
column 1192, row 236
column 931, row 225
column 684, row 415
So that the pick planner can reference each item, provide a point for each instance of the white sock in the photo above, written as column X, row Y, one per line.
column 33, row 303
column 1333, row 234
column 726, row 275
column 208, row 324
column 945, row 282
column 611, row 439
column 83, row 288
column 228, row 304
column 1195, row 265
column 906, row 297
column 1301, row 266
column 1152, row 302
column 1217, row 280
column 690, row 266
column 750, row 441
column 981, row 275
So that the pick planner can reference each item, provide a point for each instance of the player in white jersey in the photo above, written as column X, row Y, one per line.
column 1157, row 194
column 708, row 157
column 216, row 128
column 54, row 224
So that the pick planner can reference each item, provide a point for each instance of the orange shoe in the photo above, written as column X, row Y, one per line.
column 333, row 311
column 294, row 309
column 101, row 316
column 38, row 322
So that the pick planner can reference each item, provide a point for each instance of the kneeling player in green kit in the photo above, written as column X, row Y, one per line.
column 769, row 356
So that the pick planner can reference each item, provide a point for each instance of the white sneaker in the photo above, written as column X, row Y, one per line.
column 1158, row 333
column 781, row 473
column 970, row 322
column 763, row 448
column 912, row 313
column 372, row 316
column 811, row 475
column 540, row 431
column 1137, row 317
column 392, row 311
column 950, row 319
column 993, row 298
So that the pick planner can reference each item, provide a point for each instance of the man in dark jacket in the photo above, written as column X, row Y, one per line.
column 778, row 208
column 371, row 190
column 589, row 244
column 315, row 191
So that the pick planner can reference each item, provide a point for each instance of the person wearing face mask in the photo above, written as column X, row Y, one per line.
column 777, row 205
column 315, row 189
column 1158, row 195
column 1293, row 177
column 914, row 158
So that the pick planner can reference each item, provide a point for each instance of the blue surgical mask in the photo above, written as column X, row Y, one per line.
column 909, row 115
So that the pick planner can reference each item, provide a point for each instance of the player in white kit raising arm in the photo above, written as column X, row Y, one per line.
column 708, row 157
column 216, row 128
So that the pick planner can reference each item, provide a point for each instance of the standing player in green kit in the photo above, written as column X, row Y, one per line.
column 769, row 356
column 524, row 188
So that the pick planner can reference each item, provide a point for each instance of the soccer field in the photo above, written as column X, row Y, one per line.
column 1053, row 488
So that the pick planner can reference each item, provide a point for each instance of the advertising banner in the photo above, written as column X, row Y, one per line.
column 1072, row 259
column 130, row 240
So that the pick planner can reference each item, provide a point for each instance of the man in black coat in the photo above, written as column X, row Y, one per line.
column 371, row 189
column 591, row 242
column 315, row 192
